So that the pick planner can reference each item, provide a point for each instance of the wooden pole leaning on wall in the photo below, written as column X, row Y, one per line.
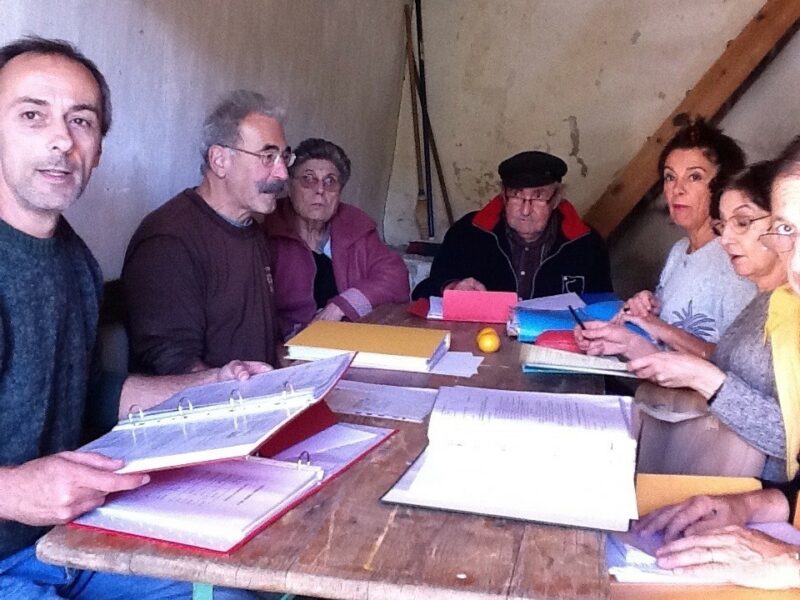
column 421, row 207
column 743, row 58
column 448, row 208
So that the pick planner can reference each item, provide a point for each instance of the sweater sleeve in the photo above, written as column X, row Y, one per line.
column 164, row 296
column 385, row 280
column 753, row 415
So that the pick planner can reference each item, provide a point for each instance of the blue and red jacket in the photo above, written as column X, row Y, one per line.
column 477, row 246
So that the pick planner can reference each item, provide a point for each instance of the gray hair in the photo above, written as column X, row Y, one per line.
column 317, row 148
column 221, row 127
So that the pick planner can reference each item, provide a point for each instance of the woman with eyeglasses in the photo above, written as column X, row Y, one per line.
column 737, row 381
column 328, row 259
column 707, row 535
column 698, row 294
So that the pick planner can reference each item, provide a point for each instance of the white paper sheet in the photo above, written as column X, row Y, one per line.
column 557, row 302
column 458, row 364
column 336, row 447
column 547, row 457
column 381, row 401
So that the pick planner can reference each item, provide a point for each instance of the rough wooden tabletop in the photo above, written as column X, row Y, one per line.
column 344, row 543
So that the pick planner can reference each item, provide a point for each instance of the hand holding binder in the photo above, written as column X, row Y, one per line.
column 219, row 421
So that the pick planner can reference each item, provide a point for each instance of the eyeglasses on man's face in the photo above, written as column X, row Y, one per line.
column 535, row 196
column 738, row 224
column 269, row 158
column 781, row 238
column 330, row 183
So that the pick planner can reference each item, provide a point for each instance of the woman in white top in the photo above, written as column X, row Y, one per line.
column 698, row 294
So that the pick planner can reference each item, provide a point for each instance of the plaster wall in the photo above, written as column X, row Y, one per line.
column 587, row 80
column 336, row 66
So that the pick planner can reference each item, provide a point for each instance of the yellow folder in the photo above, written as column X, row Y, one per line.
column 378, row 346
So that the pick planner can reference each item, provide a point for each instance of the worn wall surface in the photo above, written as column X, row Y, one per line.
column 763, row 121
column 585, row 79
column 337, row 65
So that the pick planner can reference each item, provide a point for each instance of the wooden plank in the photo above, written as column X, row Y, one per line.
column 750, row 51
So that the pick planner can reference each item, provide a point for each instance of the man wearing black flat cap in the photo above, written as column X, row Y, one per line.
column 527, row 239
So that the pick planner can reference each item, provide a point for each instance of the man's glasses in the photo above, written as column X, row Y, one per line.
column 539, row 196
column 311, row 182
column 269, row 158
column 780, row 239
column 739, row 224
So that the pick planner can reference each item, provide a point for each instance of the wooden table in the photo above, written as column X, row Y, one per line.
column 343, row 543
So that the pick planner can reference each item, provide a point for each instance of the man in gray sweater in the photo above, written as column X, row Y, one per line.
column 54, row 111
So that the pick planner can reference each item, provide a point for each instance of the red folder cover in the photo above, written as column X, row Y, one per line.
column 482, row 307
column 560, row 340
column 314, row 420
column 420, row 307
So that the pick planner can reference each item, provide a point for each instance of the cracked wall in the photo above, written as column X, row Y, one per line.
column 584, row 79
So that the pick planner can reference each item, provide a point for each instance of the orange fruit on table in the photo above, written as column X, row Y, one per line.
column 488, row 340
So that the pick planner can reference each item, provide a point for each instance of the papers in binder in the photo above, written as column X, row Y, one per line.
column 538, row 359
column 219, row 421
column 526, row 455
column 219, row 506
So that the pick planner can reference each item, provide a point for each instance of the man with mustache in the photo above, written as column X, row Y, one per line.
column 55, row 110
column 197, row 277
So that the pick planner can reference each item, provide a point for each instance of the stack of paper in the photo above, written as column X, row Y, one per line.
column 377, row 346
column 538, row 359
column 545, row 457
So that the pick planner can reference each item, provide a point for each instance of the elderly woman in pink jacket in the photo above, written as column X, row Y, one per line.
column 328, row 259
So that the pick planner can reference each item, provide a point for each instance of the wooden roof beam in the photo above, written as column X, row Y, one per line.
column 741, row 62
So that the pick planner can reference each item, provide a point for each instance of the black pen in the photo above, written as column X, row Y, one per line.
column 576, row 317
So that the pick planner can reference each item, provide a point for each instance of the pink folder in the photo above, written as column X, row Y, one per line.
column 483, row 307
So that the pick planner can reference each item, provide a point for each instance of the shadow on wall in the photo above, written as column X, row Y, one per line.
column 640, row 245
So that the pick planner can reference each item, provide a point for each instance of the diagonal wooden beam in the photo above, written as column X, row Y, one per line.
column 743, row 59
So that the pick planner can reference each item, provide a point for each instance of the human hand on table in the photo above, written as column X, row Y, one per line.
column 679, row 369
column 642, row 304
column 599, row 338
column 331, row 312
column 698, row 514
column 468, row 284
column 58, row 488
column 241, row 370
column 734, row 554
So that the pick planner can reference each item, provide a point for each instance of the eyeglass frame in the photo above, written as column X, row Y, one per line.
column 723, row 222
column 287, row 156
column 531, row 201
column 315, row 185
column 774, row 236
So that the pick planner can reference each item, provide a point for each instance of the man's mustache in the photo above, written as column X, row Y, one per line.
column 275, row 186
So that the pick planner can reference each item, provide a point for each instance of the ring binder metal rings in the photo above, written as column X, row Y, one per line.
column 304, row 458
column 133, row 411
column 235, row 398
column 189, row 407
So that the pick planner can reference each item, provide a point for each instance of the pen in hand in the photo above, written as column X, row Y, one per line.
column 576, row 317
